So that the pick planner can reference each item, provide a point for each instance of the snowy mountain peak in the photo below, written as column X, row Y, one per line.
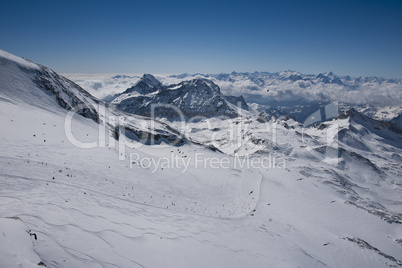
column 202, row 85
column 147, row 84
column 7, row 58
column 329, row 78
column 150, row 80
column 196, row 97
column 41, row 87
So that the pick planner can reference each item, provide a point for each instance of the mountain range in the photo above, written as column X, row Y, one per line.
column 197, row 97
column 87, row 183
column 300, row 94
column 287, row 92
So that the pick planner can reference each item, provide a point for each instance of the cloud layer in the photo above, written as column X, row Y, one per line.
column 262, row 88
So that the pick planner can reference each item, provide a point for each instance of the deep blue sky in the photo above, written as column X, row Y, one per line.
column 346, row 37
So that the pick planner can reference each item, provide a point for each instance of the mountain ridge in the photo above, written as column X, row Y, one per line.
column 196, row 97
column 284, row 195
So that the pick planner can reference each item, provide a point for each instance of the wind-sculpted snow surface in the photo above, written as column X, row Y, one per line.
column 255, row 190
column 16, row 247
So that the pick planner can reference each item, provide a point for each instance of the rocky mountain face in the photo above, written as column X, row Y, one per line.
column 55, row 88
column 39, row 86
column 197, row 97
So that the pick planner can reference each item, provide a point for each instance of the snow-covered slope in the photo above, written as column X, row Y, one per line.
column 16, row 247
column 198, row 97
column 284, row 203
column 368, row 154
column 24, row 77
